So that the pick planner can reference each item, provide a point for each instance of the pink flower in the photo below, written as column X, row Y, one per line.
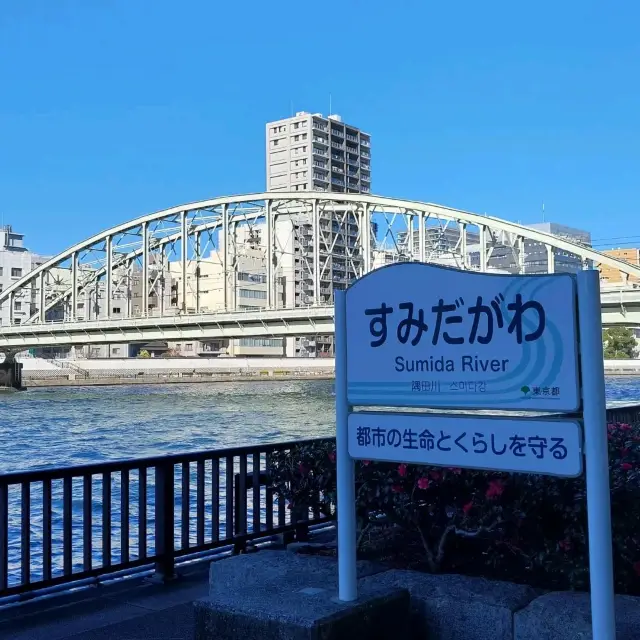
column 366, row 463
column 455, row 470
column 402, row 470
column 435, row 475
column 396, row 488
column 467, row 507
column 423, row 483
column 611, row 427
column 625, row 466
column 625, row 427
column 565, row 544
column 332, row 456
column 495, row 489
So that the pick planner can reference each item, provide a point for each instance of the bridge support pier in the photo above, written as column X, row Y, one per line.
column 11, row 375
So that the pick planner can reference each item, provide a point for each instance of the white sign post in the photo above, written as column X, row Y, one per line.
column 423, row 336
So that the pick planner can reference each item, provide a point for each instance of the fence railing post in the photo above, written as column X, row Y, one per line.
column 165, row 504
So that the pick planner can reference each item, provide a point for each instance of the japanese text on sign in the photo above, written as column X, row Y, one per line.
column 485, row 443
column 485, row 317
column 424, row 335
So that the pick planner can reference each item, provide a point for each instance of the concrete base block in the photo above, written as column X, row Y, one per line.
column 288, row 597
column 566, row 615
column 452, row 607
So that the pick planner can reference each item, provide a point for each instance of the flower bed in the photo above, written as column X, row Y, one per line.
column 523, row 528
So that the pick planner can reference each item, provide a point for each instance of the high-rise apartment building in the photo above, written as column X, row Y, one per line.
column 308, row 152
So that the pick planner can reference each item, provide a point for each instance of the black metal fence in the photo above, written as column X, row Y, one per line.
column 63, row 525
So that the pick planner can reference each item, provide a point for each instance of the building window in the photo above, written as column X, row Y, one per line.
column 1, row 270
column 178, row 347
column 17, row 306
column 116, row 310
column 252, row 277
column 249, row 307
column 17, row 321
column 260, row 342
column 296, row 125
column 16, row 273
column 253, row 293
column 275, row 143
column 115, row 351
column 188, row 347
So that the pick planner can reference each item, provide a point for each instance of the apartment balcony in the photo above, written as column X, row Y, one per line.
column 365, row 189
column 337, row 133
column 337, row 169
column 351, row 149
column 352, row 172
column 364, row 142
column 321, row 140
column 321, row 177
column 352, row 161
column 351, row 137
column 338, row 181
column 319, row 126
column 320, row 165
column 365, row 154
column 337, row 156
column 338, row 145
column 365, row 165
column 352, row 185
column 319, row 152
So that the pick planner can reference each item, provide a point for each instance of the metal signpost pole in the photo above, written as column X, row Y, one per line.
column 347, row 577
column 596, row 453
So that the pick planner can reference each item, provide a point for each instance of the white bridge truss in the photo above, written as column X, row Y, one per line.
column 179, row 273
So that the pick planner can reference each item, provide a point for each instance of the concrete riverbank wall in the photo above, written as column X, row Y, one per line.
column 38, row 372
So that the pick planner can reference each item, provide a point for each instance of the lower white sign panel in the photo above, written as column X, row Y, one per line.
column 551, row 447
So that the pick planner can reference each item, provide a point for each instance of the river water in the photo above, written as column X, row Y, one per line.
column 76, row 425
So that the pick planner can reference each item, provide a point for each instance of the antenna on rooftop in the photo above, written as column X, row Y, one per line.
column 330, row 111
column 543, row 211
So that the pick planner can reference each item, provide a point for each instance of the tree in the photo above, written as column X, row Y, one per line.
column 619, row 343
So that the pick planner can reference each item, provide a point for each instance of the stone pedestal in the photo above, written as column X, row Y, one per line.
column 287, row 597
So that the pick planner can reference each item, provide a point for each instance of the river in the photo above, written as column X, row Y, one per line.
column 76, row 425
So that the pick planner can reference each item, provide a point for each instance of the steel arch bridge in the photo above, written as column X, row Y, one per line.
column 264, row 265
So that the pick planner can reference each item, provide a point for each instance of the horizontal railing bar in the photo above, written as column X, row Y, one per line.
column 148, row 561
column 71, row 579
column 57, row 473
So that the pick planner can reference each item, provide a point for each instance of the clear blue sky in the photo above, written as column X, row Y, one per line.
column 110, row 109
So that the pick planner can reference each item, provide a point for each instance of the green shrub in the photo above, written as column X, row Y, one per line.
column 518, row 527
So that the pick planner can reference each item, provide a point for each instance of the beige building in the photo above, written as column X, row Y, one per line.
column 244, row 289
column 612, row 276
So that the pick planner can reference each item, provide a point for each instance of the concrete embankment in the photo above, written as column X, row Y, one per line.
column 171, row 379
column 58, row 373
